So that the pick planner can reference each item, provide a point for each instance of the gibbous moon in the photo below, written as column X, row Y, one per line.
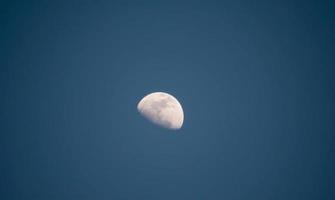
column 162, row 109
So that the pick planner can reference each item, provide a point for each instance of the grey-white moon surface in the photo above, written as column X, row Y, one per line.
column 162, row 109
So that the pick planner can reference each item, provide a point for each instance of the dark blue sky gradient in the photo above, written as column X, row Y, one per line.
column 256, row 81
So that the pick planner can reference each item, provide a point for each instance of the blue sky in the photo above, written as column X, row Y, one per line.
column 256, row 81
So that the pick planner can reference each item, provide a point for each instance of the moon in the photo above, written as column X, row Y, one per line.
column 162, row 109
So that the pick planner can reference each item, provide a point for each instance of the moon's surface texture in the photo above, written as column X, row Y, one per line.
column 162, row 109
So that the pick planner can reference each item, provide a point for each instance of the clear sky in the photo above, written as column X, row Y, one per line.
column 255, row 79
